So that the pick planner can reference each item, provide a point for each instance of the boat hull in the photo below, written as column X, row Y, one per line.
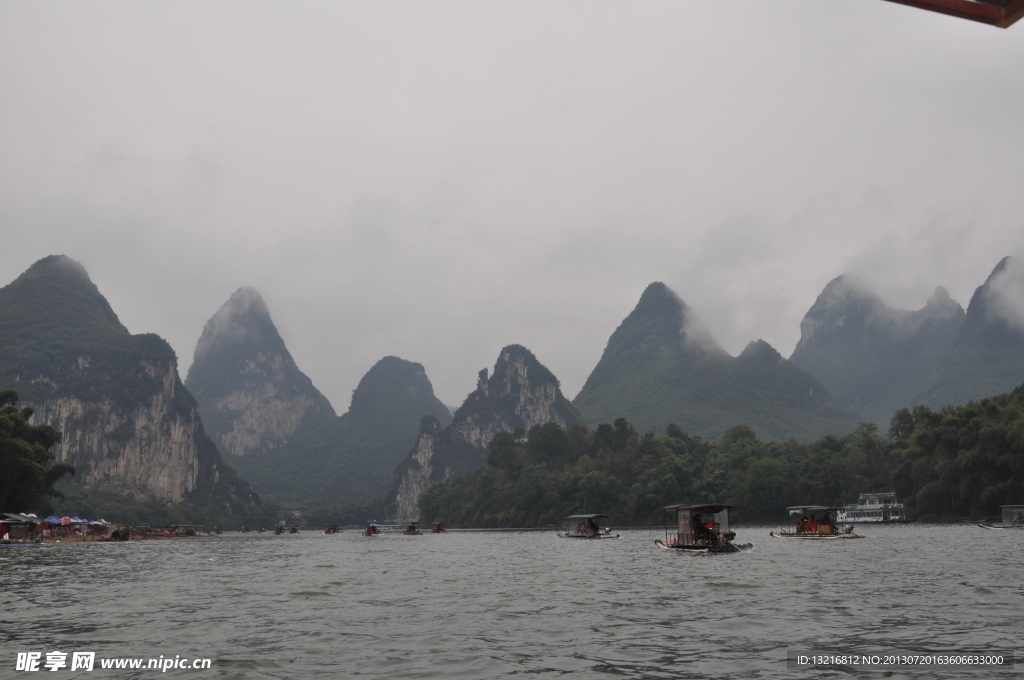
column 874, row 521
column 710, row 549
column 996, row 526
column 588, row 538
column 813, row 537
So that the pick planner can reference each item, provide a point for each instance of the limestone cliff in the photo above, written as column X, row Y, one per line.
column 129, row 424
column 281, row 433
column 520, row 394
column 251, row 394
column 415, row 472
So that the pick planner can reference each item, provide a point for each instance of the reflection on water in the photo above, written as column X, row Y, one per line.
column 496, row 604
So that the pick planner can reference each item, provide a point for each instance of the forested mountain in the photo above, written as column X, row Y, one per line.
column 129, row 425
column 957, row 463
column 279, row 430
column 520, row 394
column 351, row 459
column 987, row 356
column 252, row 396
column 867, row 353
column 661, row 366
column 875, row 359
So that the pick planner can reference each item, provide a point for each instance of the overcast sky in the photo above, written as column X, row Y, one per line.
column 438, row 180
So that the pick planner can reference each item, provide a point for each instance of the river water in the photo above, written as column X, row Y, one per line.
column 497, row 604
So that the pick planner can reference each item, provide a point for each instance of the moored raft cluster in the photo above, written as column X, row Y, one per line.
column 28, row 529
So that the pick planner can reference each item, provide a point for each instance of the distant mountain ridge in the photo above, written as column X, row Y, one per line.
column 867, row 353
column 876, row 359
column 281, row 433
column 987, row 356
column 130, row 426
column 662, row 366
column 521, row 393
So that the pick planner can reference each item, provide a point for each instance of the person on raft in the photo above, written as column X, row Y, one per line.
column 702, row 532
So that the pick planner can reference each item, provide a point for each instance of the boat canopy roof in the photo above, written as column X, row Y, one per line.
column 18, row 518
column 701, row 508
column 587, row 516
column 1011, row 506
column 797, row 509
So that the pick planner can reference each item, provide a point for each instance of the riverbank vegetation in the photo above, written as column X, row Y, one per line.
column 958, row 462
column 28, row 473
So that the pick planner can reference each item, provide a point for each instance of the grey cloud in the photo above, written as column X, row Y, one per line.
column 437, row 181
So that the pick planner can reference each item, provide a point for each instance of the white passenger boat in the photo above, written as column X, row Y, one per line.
column 1013, row 518
column 874, row 508
column 814, row 523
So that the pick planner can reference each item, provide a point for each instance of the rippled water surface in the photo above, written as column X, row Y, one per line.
column 480, row 604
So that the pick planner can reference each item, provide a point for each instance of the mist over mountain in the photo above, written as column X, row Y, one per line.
column 867, row 353
column 130, row 426
column 875, row 359
column 251, row 394
column 279, row 430
column 987, row 356
column 520, row 393
column 662, row 366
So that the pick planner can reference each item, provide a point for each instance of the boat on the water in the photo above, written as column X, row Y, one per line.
column 586, row 526
column 874, row 508
column 412, row 529
column 1013, row 518
column 814, row 523
column 333, row 529
column 438, row 528
column 371, row 530
column 699, row 529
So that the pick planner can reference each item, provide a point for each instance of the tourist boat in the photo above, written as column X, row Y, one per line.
column 874, row 508
column 585, row 526
column 412, row 529
column 293, row 530
column 263, row 530
column 814, row 523
column 245, row 530
column 278, row 530
column 699, row 529
column 371, row 530
column 1013, row 518
column 437, row 528
column 333, row 529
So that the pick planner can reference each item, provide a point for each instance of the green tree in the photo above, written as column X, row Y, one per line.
column 27, row 472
